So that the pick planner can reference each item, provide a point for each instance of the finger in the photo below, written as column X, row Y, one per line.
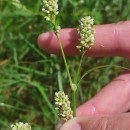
column 119, row 122
column 60, row 124
column 110, row 40
column 112, row 99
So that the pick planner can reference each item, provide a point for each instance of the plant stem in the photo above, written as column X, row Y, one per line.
column 65, row 62
column 74, row 97
column 100, row 67
column 73, row 86
column 79, row 68
column 74, row 101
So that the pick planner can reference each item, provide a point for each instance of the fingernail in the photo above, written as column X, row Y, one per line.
column 60, row 124
column 42, row 37
column 45, row 34
column 71, row 125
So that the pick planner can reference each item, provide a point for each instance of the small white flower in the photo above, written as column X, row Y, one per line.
column 50, row 9
column 81, row 1
column 20, row 126
column 57, row 29
column 86, row 33
column 62, row 104
column 18, row 4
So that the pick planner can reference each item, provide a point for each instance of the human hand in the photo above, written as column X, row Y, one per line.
column 108, row 110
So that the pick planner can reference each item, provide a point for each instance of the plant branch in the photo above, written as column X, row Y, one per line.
column 79, row 68
column 65, row 62
column 100, row 67
column 74, row 101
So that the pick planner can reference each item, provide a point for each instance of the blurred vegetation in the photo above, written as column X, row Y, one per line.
column 29, row 77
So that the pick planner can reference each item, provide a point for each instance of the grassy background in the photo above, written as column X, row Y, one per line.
column 29, row 77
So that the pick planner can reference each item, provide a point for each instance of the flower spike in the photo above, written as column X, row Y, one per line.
column 63, row 106
column 86, row 33
column 50, row 9
column 20, row 126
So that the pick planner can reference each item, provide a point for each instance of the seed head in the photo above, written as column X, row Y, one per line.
column 86, row 33
column 62, row 104
column 18, row 4
column 20, row 126
column 50, row 9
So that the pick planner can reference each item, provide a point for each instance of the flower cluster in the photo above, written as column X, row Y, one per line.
column 63, row 106
column 18, row 4
column 81, row 1
column 20, row 126
column 57, row 29
column 86, row 33
column 50, row 9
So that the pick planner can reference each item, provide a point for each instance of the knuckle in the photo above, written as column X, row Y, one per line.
column 120, row 43
column 103, row 124
column 116, row 37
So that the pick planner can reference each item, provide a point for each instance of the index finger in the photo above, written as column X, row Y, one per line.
column 110, row 40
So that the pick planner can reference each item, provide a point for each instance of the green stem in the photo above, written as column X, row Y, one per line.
column 74, row 101
column 74, row 97
column 73, row 86
column 99, row 67
column 79, row 68
column 65, row 62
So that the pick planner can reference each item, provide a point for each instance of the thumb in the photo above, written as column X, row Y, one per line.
column 118, row 122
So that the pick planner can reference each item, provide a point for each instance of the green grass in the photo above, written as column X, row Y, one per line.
column 29, row 77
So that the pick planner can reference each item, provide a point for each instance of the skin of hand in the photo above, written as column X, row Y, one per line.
column 107, row 110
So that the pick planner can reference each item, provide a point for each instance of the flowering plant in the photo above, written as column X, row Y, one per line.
column 86, row 39
column 85, row 30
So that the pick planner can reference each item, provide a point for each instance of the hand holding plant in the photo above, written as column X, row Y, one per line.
column 113, row 98
column 109, row 40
